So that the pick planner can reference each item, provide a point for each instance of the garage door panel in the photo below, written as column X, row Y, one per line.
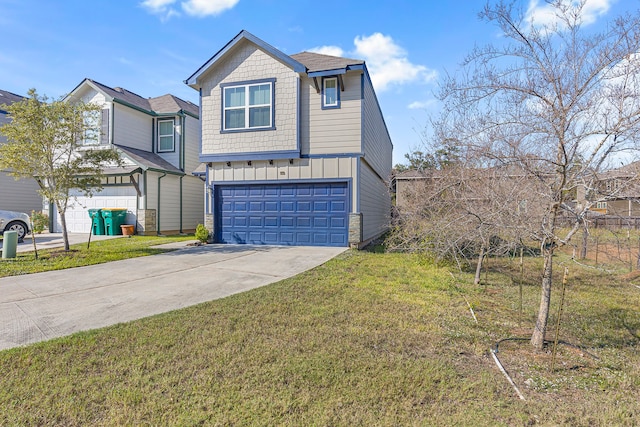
column 77, row 215
column 285, row 214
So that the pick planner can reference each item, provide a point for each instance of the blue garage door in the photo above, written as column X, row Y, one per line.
column 313, row 214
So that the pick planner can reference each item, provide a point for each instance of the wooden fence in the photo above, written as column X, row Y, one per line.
column 609, row 222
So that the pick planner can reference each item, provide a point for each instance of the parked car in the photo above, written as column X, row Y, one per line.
column 14, row 221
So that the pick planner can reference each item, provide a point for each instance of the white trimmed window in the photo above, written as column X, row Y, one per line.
column 165, row 136
column 248, row 106
column 92, row 128
column 330, row 93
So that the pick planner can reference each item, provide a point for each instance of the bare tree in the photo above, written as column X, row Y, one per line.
column 555, row 100
column 459, row 212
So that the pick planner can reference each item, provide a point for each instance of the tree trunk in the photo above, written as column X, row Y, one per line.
column 63, row 223
column 538, row 336
column 585, row 242
column 476, row 281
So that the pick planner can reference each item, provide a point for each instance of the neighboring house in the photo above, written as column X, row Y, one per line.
column 21, row 195
column 617, row 192
column 159, row 141
column 295, row 147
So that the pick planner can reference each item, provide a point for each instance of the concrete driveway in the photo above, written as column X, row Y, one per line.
column 38, row 307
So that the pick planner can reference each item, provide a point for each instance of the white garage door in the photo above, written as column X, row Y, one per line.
column 78, row 220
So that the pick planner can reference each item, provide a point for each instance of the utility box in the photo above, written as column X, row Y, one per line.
column 97, row 222
column 113, row 219
column 9, row 244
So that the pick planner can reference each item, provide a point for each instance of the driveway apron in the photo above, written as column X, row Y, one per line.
column 41, row 306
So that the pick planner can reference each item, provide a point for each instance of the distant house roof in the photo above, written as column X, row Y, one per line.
column 164, row 104
column 171, row 104
column 8, row 98
column 630, row 170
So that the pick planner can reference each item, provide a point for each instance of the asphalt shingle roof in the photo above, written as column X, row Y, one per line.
column 161, row 104
column 319, row 62
column 148, row 160
column 9, row 98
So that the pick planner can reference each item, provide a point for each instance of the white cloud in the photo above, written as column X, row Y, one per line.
column 544, row 14
column 421, row 105
column 200, row 8
column 207, row 7
column 163, row 8
column 328, row 50
column 388, row 62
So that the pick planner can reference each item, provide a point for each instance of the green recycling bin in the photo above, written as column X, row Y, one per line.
column 9, row 244
column 113, row 219
column 97, row 223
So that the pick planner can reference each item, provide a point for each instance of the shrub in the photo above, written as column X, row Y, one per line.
column 39, row 221
column 202, row 234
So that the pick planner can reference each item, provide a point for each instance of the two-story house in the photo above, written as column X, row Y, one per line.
column 295, row 148
column 21, row 195
column 159, row 142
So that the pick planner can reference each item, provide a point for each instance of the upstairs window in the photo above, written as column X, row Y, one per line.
column 330, row 93
column 92, row 128
column 165, row 136
column 248, row 106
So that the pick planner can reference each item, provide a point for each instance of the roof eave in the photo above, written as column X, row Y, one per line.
column 90, row 84
column 335, row 71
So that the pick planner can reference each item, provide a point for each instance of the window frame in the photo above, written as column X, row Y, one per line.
column 88, row 139
column 159, row 136
column 247, row 106
column 336, row 104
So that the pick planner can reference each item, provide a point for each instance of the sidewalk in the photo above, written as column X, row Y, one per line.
column 54, row 240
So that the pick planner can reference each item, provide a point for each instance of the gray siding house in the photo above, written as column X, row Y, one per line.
column 21, row 195
column 159, row 142
column 295, row 149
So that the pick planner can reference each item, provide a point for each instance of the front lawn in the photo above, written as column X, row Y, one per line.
column 366, row 339
column 99, row 252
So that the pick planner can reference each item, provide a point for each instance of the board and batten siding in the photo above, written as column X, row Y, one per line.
column 375, row 203
column 377, row 144
column 132, row 128
column 335, row 130
column 282, row 171
column 246, row 63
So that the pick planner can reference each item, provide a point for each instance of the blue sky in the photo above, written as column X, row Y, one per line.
column 151, row 46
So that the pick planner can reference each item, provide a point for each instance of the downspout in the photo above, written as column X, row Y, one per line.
column 158, row 210
column 111, row 122
column 183, row 122
column 181, row 176
column 146, row 192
